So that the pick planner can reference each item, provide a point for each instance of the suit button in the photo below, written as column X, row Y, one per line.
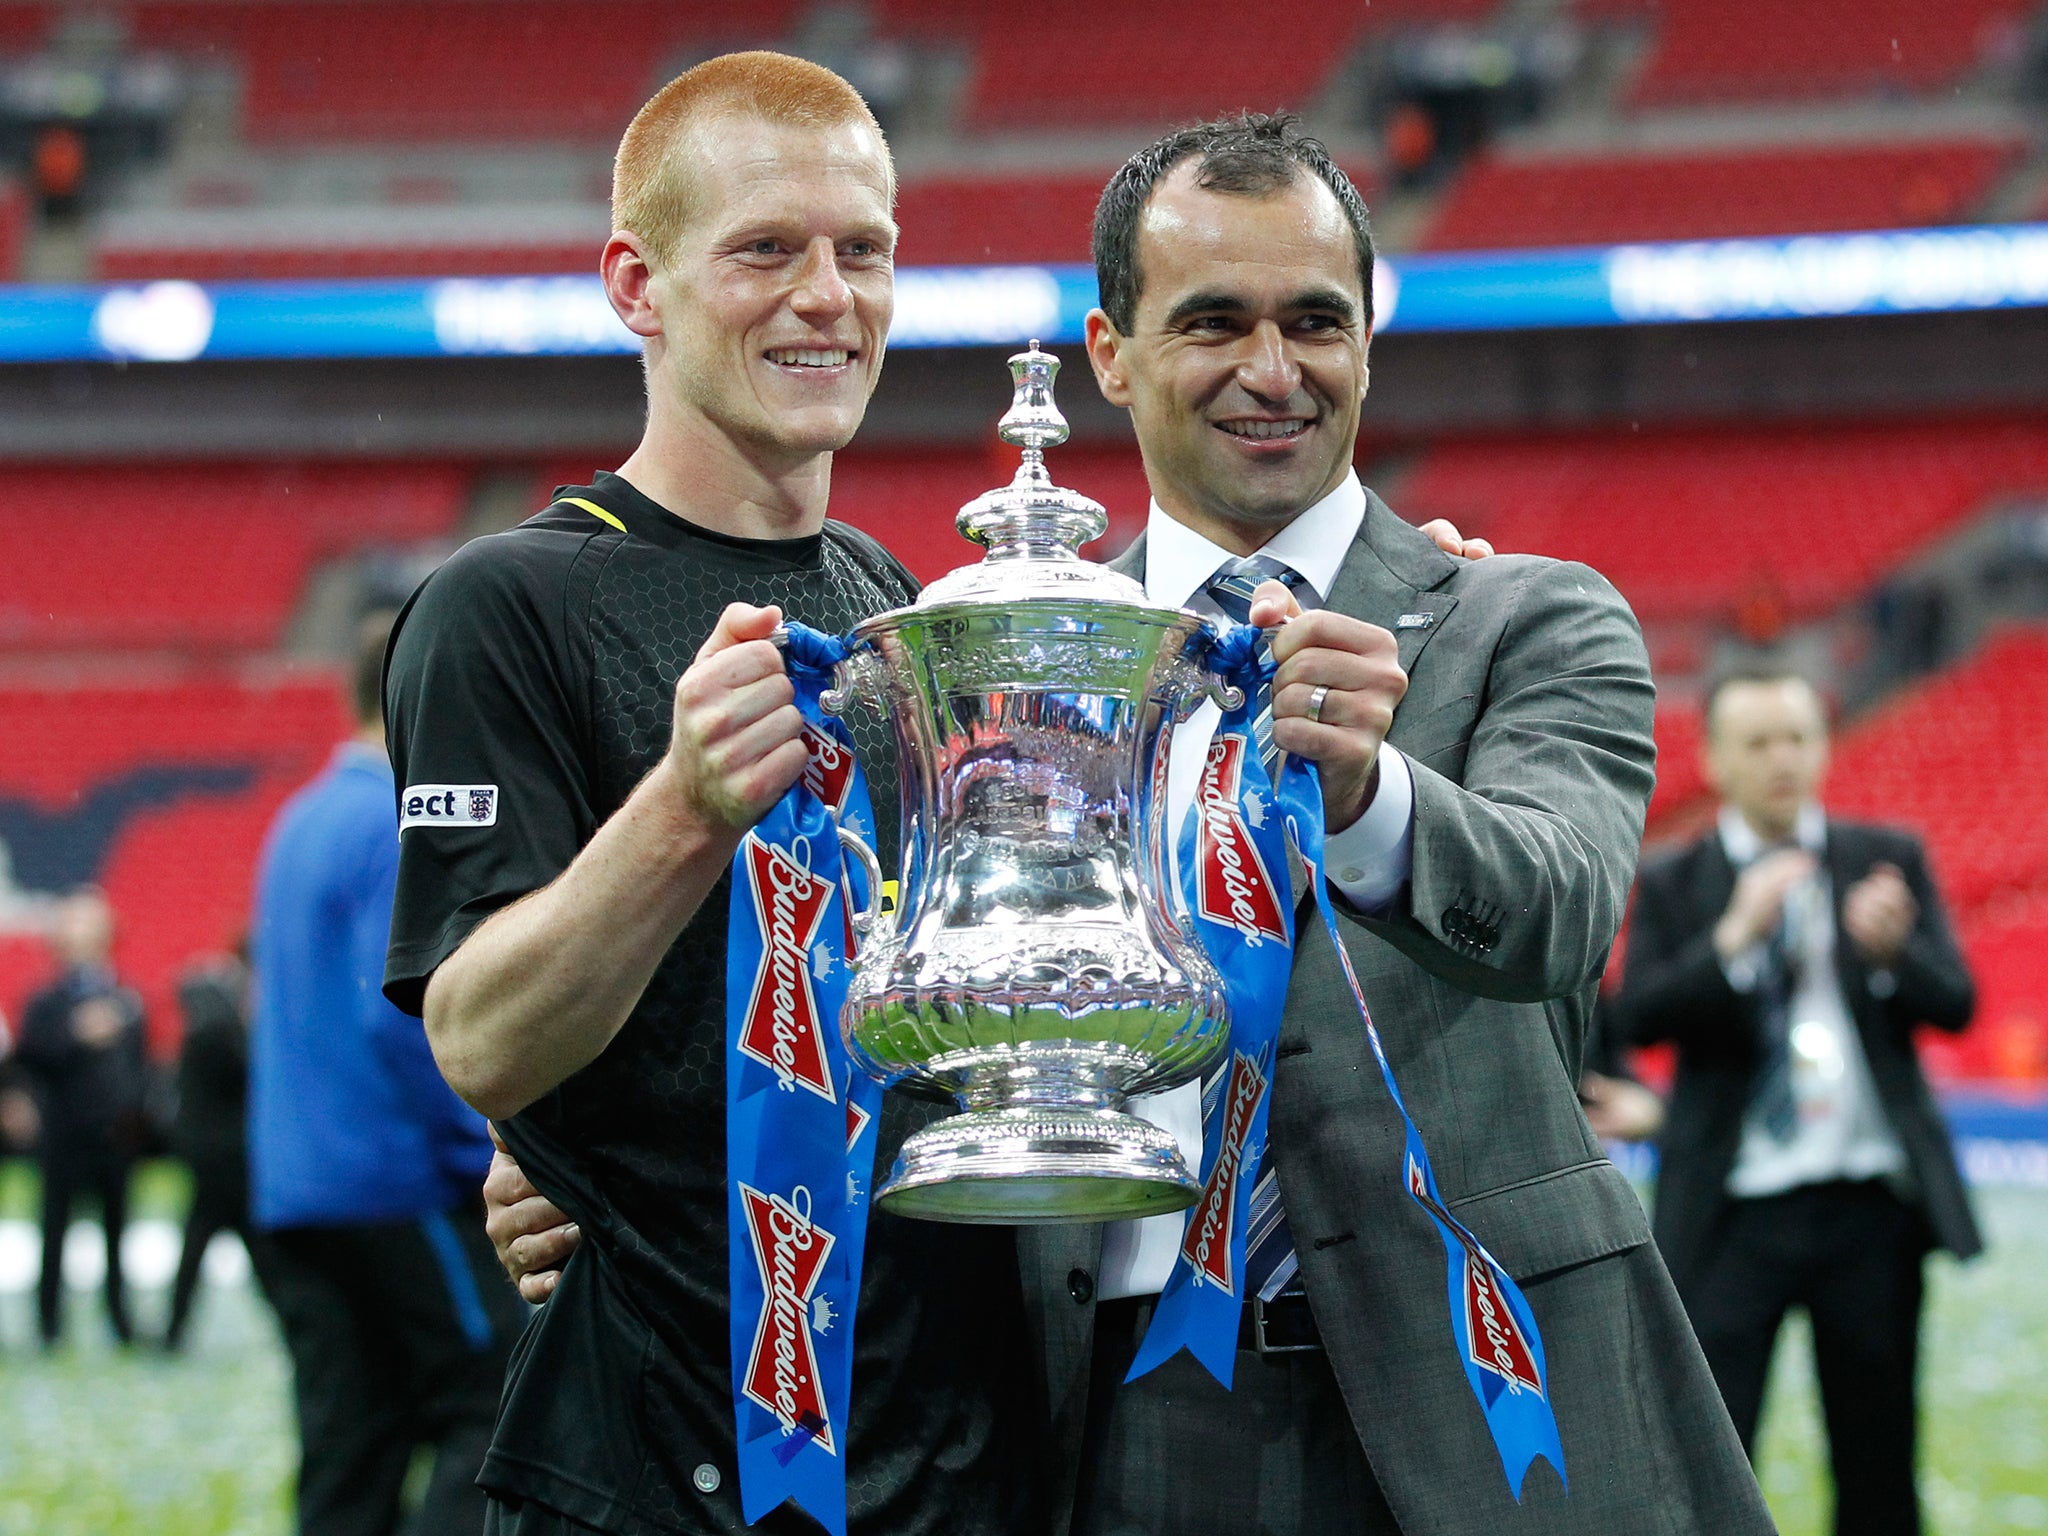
column 1080, row 1286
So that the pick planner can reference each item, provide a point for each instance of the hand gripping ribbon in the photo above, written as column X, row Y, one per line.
column 1233, row 869
column 799, row 1156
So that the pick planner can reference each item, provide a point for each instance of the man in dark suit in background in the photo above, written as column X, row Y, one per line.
column 82, row 1053
column 1790, row 956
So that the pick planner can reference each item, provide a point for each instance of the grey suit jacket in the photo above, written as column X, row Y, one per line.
column 1527, row 727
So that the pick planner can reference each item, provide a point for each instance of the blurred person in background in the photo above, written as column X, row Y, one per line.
column 1790, row 955
column 211, row 1130
column 19, row 1122
column 365, row 1168
column 82, row 1055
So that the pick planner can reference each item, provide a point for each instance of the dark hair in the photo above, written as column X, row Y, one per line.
column 373, row 636
column 1762, row 671
column 1253, row 154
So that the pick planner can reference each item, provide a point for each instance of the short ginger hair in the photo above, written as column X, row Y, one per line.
column 651, row 187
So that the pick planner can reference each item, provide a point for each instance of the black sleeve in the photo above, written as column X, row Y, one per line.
column 1934, row 985
column 486, row 710
column 1672, row 984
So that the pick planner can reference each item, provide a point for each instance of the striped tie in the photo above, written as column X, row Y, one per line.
column 1232, row 587
column 1270, row 1261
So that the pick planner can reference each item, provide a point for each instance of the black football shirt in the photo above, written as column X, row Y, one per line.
column 530, row 686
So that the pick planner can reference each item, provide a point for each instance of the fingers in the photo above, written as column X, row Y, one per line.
column 1445, row 534
column 505, row 1184
column 536, row 1289
column 537, row 1252
column 738, row 738
column 739, row 623
column 1273, row 603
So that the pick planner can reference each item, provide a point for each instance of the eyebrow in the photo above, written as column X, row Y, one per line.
column 1214, row 302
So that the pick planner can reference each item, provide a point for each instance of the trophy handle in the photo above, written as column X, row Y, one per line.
column 1189, row 684
column 865, row 856
column 856, row 679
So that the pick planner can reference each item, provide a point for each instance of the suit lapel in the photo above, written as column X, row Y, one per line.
column 1389, row 579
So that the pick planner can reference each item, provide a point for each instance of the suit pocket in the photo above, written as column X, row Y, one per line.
column 1557, row 1220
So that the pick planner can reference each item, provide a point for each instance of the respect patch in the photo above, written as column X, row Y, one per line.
column 448, row 805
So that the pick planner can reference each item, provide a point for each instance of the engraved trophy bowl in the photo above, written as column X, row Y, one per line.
column 1034, row 970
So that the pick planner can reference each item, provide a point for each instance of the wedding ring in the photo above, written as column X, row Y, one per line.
column 1315, row 702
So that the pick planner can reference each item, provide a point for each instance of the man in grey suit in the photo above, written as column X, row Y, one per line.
column 1483, row 734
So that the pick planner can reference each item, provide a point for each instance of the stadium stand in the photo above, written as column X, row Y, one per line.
column 1960, row 756
column 159, row 792
column 965, row 219
column 1149, row 63
column 194, row 557
column 473, row 70
column 1716, row 193
column 1692, row 524
column 1707, row 51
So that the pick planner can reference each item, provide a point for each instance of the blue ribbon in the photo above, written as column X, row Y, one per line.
column 1492, row 1327
column 799, row 1144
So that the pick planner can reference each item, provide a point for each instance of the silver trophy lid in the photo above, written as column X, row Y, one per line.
column 1032, row 529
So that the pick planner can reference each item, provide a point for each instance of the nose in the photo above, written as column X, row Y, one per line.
column 1268, row 371
column 821, row 291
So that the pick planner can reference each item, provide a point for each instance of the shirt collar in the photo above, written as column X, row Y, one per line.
column 1179, row 560
column 1740, row 842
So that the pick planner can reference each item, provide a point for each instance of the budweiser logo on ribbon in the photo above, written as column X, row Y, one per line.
column 782, row 1029
column 1496, row 1341
column 828, row 772
column 1235, row 887
column 782, row 1370
column 1207, row 1244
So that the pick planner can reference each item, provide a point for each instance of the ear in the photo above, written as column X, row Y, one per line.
column 1105, row 356
column 628, row 274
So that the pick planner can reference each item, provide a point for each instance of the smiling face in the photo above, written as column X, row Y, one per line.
column 1245, row 368
column 774, row 303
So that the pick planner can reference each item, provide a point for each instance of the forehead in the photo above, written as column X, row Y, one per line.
column 1268, row 246
column 1748, row 707
column 739, row 165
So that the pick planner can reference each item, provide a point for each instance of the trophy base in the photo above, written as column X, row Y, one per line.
column 1038, row 1166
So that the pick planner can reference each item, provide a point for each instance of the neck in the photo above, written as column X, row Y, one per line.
column 1230, row 529
column 1769, row 828
column 685, row 462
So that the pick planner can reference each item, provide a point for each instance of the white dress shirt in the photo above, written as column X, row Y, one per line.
column 1841, row 1131
column 1368, row 862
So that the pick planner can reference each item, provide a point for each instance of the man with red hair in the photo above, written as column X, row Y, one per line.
column 587, row 713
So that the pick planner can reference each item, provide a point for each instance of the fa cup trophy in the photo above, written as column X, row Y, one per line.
column 1035, row 970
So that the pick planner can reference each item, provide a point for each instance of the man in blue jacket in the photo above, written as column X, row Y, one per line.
column 365, row 1168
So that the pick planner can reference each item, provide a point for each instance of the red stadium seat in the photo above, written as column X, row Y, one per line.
column 208, row 557
column 1063, row 62
column 454, row 69
column 1716, row 194
column 1959, row 756
column 1694, row 524
column 13, row 227
column 1711, row 51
